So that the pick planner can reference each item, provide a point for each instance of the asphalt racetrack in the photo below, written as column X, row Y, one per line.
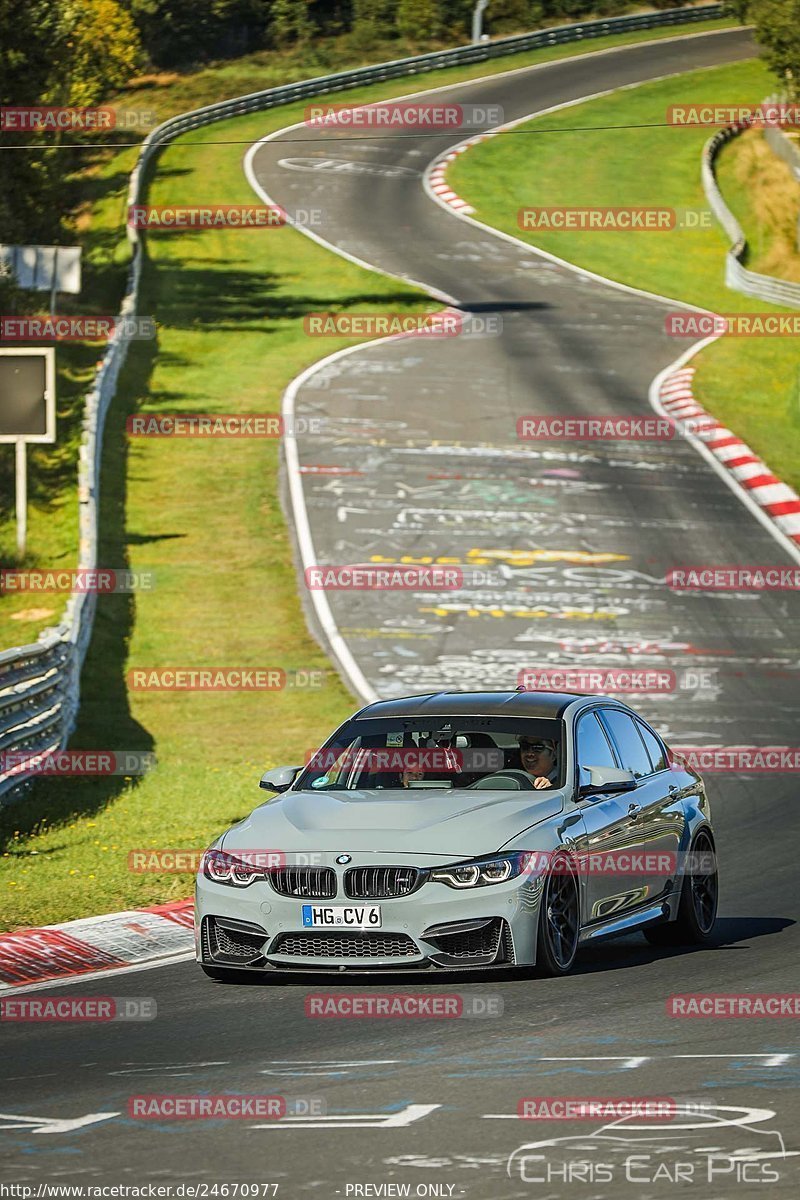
column 423, row 460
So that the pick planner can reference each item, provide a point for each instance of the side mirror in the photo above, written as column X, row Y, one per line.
column 605, row 779
column 279, row 779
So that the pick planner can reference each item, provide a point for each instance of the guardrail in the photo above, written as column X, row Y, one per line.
column 40, row 683
column 784, row 148
column 779, row 144
column 737, row 276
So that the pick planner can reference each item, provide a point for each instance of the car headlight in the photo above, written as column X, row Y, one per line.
column 481, row 873
column 224, row 868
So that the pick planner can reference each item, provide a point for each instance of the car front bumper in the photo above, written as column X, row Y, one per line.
column 436, row 926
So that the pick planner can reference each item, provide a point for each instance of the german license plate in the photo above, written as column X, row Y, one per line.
column 353, row 916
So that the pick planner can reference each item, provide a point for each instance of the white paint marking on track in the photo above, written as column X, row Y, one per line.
column 324, row 1067
column 397, row 1120
column 53, row 1124
column 711, row 1121
column 772, row 1060
column 172, row 1070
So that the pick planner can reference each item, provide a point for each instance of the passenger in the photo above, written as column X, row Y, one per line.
column 410, row 776
column 539, row 760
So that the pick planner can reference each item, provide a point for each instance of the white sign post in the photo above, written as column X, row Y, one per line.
column 27, row 414
column 477, row 21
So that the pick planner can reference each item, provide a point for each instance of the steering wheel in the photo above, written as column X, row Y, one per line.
column 522, row 777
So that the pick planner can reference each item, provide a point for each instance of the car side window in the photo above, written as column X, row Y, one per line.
column 654, row 747
column 631, row 747
column 592, row 745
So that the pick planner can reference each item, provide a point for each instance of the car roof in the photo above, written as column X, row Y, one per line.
column 476, row 704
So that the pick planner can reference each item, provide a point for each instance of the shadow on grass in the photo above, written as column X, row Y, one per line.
column 228, row 299
column 105, row 721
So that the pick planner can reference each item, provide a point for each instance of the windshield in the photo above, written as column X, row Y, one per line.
column 439, row 753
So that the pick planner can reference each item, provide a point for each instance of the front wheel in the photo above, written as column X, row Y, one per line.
column 559, row 920
column 697, row 908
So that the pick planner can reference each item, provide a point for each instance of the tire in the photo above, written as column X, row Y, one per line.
column 697, row 907
column 559, row 920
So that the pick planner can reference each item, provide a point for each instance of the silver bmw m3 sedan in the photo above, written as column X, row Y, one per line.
column 463, row 830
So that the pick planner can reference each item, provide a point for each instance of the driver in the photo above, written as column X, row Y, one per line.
column 410, row 776
column 539, row 760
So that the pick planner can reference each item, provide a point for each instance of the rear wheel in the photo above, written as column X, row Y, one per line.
column 697, row 908
column 559, row 920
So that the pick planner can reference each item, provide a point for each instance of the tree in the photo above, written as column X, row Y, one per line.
column 777, row 25
column 371, row 22
column 290, row 22
column 178, row 34
column 418, row 20
column 32, row 63
column 102, row 49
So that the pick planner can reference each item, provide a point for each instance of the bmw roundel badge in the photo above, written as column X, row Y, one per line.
column 343, row 858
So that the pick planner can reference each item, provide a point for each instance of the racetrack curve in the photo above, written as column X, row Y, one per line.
column 429, row 427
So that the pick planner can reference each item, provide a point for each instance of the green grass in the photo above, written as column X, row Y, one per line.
column 753, row 385
column 761, row 189
column 750, row 384
column 204, row 517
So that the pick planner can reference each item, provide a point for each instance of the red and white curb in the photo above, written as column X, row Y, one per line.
column 780, row 502
column 108, row 942
column 439, row 185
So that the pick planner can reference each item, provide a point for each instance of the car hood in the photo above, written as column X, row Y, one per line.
column 429, row 822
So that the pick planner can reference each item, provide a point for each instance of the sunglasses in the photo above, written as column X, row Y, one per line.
column 537, row 747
